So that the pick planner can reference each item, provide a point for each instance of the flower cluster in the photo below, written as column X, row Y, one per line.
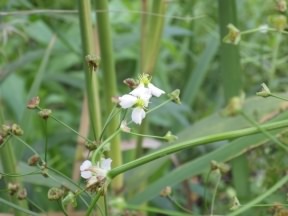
column 95, row 173
column 138, row 98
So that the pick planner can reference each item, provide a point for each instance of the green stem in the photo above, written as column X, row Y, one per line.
column 157, row 107
column 179, row 205
column 258, row 199
column 90, row 72
column 268, row 135
column 215, row 193
column 109, row 78
column 67, row 126
column 46, row 140
column 146, row 135
column 278, row 97
column 276, row 47
column 192, row 143
column 26, row 144
column 96, row 153
column 94, row 201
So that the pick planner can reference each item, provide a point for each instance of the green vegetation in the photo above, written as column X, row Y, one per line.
column 195, row 130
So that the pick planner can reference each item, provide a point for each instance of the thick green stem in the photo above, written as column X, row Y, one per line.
column 9, row 166
column 192, row 143
column 109, row 78
column 90, row 74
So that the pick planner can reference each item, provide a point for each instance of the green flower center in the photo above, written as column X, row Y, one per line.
column 145, row 79
column 140, row 103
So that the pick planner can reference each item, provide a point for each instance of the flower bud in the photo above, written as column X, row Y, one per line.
column 170, row 137
column 22, row 194
column 16, row 130
column 6, row 130
column 222, row 167
column 175, row 96
column 55, row 193
column 166, row 191
column 124, row 127
column 279, row 22
column 235, row 203
column 33, row 160
column 131, row 83
column 234, row 106
column 33, row 102
column 69, row 198
column 91, row 146
column 233, row 36
column 45, row 113
column 265, row 92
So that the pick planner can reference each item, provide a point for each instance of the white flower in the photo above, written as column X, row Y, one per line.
column 155, row 91
column 127, row 101
column 145, row 82
column 138, row 114
column 96, row 172
column 263, row 28
column 139, row 101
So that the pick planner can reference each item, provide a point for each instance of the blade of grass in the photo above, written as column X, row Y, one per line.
column 198, row 75
column 232, row 82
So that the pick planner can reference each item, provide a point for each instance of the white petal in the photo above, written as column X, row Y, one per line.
column 127, row 101
column 105, row 164
column 140, row 91
column 85, row 165
column 155, row 91
column 138, row 114
column 86, row 174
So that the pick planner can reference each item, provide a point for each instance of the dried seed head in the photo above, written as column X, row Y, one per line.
column 33, row 160
column 33, row 102
column 22, row 194
column 55, row 193
column 131, row 83
column 45, row 113
column 166, row 191
column 13, row 188
column 93, row 62
column 92, row 146
column 281, row 5
column 17, row 130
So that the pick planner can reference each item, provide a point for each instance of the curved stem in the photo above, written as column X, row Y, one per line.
column 192, row 143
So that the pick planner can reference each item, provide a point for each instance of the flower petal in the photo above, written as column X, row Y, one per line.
column 86, row 174
column 127, row 101
column 85, row 165
column 105, row 164
column 137, row 115
column 155, row 91
column 141, row 91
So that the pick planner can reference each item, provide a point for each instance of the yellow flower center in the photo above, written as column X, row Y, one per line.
column 145, row 79
column 140, row 103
